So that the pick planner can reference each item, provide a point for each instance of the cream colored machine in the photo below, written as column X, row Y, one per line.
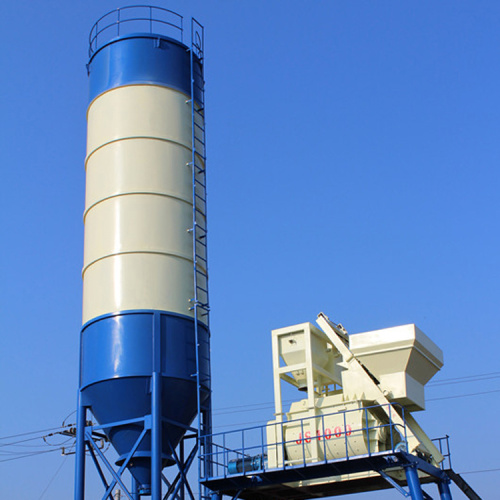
column 360, row 391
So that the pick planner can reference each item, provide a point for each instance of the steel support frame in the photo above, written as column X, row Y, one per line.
column 444, row 490
column 233, row 485
column 411, row 473
column 152, row 423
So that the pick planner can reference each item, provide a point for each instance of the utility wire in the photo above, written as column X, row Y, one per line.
column 450, row 381
column 479, row 471
column 53, row 477
column 33, row 432
column 463, row 395
column 270, row 404
column 25, row 440
column 446, row 381
column 459, row 380
column 27, row 455
column 224, row 411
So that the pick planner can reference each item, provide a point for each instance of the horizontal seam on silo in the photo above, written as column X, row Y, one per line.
column 127, row 312
column 149, row 252
column 148, row 193
column 152, row 138
column 135, row 85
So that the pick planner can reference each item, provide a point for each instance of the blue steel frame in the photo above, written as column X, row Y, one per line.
column 152, row 423
column 239, row 465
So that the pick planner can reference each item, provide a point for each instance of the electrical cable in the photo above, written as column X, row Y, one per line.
column 223, row 411
column 27, row 455
column 479, row 471
column 459, row 380
column 463, row 395
column 53, row 477
column 270, row 404
column 32, row 432
column 428, row 400
column 24, row 440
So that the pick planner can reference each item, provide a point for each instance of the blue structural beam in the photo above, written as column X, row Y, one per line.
column 411, row 472
column 80, row 450
column 444, row 490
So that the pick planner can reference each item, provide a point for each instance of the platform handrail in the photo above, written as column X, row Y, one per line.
column 443, row 445
column 114, row 24
column 223, row 454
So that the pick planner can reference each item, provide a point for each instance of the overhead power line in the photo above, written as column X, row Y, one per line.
column 27, row 455
column 463, row 395
column 480, row 471
column 53, row 478
column 270, row 404
column 470, row 378
column 33, row 432
column 34, row 450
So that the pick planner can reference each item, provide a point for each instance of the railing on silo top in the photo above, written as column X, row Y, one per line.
column 135, row 19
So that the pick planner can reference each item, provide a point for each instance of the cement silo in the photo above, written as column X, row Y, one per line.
column 145, row 362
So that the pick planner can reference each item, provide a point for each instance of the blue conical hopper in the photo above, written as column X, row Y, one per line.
column 116, row 379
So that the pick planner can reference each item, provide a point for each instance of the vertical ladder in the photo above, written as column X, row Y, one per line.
column 200, row 301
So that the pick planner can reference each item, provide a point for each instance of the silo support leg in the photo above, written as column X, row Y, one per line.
column 80, row 450
column 156, row 438
column 414, row 483
column 133, row 489
column 156, row 413
column 444, row 490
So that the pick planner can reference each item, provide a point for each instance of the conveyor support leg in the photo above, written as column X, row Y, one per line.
column 444, row 490
column 413, row 483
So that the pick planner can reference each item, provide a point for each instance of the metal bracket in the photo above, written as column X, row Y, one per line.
column 393, row 483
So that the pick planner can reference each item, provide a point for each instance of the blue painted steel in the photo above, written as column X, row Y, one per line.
column 132, row 19
column 142, row 59
column 115, row 474
column 134, row 489
column 114, row 399
column 156, row 412
column 444, row 490
column 116, row 366
column 80, row 450
column 393, row 483
column 117, row 363
column 413, row 483
column 119, row 345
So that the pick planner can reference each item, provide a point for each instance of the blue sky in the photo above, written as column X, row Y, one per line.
column 353, row 161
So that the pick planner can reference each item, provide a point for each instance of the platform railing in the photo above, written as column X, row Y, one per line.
column 135, row 19
column 443, row 445
column 248, row 451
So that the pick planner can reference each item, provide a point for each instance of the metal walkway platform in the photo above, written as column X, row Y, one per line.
column 244, row 464
column 364, row 473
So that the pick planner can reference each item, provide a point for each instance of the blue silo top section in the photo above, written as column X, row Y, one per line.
column 156, row 55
